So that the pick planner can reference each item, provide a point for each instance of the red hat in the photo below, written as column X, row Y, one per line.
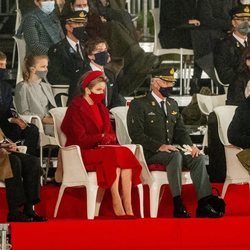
column 90, row 77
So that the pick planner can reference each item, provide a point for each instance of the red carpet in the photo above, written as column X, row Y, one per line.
column 71, row 230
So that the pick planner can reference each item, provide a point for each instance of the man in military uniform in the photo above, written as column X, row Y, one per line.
column 66, row 58
column 228, row 53
column 154, row 121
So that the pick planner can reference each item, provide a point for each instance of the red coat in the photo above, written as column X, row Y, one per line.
column 81, row 129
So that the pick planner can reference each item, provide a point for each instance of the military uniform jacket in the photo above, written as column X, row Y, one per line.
column 148, row 125
column 227, row 58
column 65, row 65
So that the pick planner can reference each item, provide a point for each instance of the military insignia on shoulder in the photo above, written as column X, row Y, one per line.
column 174, row 113
column 153, row 103
column 246, row 9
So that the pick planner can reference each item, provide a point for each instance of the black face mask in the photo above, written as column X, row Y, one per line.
column 80, row 33
column 165, row 91
column 3, row 74
column 101, row 58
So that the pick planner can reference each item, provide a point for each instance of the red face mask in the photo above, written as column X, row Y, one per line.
column 96, row 98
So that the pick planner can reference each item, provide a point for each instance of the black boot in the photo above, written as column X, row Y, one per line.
column 179, row 209
column 207, row 208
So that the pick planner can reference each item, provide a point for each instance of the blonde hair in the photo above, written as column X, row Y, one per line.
column 31, row 61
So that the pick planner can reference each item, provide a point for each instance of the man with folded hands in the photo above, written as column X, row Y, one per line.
column 154, row 121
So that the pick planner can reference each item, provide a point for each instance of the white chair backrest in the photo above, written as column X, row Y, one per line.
column 21, row 50
column 120, row 115
column 224, row 116
column 58, row 115
column 156, row 17
column 64, row 99
column 207, row 103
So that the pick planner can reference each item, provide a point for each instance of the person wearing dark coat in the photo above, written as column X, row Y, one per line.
column 177, row 18
column 14, row 127
column 236, row 90
column 228, row 52
column 66, row 59
column 215, row 19
column 154, row 121
column 239, row 129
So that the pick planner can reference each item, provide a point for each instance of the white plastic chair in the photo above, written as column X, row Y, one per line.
column 45, row 141
column 21, row 52
column 154, row 179
column 206, row 105
column 77, row 175
column 236, row 173
column 181, row 52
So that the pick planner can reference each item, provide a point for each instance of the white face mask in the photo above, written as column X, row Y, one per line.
column 47, row 7
column 82, row 9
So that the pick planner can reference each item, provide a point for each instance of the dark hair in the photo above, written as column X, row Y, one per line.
column 91, row 45
column 246, row 55
column 30, row 61
column 2, row 56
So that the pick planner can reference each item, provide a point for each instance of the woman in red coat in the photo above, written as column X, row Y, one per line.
column 88, row 125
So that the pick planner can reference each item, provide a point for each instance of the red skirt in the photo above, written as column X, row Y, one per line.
column 105, row 161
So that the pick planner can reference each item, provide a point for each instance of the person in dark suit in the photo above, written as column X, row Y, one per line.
column 14, row 127
column 100, row 59
column 122, row 42
column 21, row 175
column 239, row 128
column 41, row 28
column 177, row 18
column 236, row 90
column 154, row 121
column 66, row 59
column 228, row 53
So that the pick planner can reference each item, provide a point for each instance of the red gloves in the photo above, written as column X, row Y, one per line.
column 108, row 139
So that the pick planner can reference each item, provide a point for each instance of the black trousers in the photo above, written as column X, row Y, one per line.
column 24, row 186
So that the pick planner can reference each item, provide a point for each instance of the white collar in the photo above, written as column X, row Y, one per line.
column 239, row 39
column 157, row 98
column 94, row 67
column 72, row 43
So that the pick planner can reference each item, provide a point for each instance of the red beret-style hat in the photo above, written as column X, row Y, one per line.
column 90, row 77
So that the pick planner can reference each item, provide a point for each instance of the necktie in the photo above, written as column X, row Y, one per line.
column 245, row 43
column 79, row 52
column 162, row 107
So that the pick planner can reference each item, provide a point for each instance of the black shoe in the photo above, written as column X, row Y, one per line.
column 18, row 217
column 207, row 211
column 181, row 212
column 35, row 217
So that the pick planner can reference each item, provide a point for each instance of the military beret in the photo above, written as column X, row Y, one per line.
column 76, row 17
column 168, row 75
column 242, row 10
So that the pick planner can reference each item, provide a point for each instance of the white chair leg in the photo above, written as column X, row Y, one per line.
column 154, row 190
column 91, row 200
column 61, row 191
column 99, row 197
column 224, row 189
column 181, row 73
column 141, row 198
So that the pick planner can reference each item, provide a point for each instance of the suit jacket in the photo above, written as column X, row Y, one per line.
column 26, row 103
column 148, row 126
column 239, row 129
column 80, row 126
column 227, row 58
column 174, row 28
column 65, row 65
column 40, row 31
